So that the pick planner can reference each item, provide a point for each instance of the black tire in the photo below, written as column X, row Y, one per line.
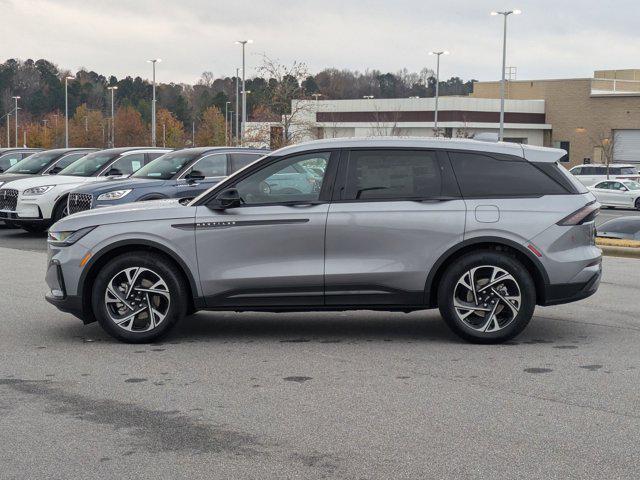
column 60, row 211
column 637, row 203
column 485, row 261
column 176, row 309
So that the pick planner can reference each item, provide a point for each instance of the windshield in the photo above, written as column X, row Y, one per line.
column 632, row 185
column 34, row 164
column 166, row 166
column 628, row 171
column 89, row 165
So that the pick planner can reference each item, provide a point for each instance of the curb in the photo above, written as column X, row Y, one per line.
column 623, row 252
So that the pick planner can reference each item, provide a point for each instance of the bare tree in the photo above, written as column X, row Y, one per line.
column 285, row 86
column 603, row 142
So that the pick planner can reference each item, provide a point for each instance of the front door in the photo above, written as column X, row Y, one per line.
column 394, row 214
column 269, row 251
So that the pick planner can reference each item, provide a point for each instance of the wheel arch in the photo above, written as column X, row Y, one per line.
column 527, row 258
column 152, row 196
column 99, row 259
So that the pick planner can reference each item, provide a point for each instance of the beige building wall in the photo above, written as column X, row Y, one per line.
column 574, row 114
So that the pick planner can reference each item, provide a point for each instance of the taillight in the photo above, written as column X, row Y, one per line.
column 584, row 215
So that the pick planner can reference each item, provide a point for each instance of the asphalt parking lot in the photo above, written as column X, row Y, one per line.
column 335, row 395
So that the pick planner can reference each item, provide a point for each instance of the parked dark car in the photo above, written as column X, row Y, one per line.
column 622, row 228
column 11, row 156
column 48, row 162
column 181, row 174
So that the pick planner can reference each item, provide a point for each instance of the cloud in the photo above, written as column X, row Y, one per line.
column 551, row 38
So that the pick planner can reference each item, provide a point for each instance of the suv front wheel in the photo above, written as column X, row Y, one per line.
column 487, row 297
column 138, row 297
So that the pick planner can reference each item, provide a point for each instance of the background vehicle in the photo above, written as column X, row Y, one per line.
column 592, row 174
column 484, row 231
column 181, row 174
column 10, row 156
column 618, row 193
column 48, row 162
column 37, row 202
column 623, row 228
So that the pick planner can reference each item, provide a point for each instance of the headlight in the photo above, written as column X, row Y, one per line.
column 38, row 190
column 66, row 238
column 115, row 195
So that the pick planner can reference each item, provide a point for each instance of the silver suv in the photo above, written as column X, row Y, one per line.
column 483, row 231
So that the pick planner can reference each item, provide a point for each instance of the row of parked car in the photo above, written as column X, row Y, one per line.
column 39, row 188
column 615, row 186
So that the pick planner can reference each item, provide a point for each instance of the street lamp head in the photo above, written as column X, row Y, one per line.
column 441, row 52
column 69, row 77
column 16, row 97
column 516, row 12
column 114, row 87
column 154, row 60
column 243, row 42
column 494, row 14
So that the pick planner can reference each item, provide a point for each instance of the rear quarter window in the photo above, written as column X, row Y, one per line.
column 481, row 176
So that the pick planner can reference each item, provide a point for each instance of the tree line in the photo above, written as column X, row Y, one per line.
column 186, row 114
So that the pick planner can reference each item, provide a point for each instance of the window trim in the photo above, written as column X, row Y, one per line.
column 325, row 193
column 450, row 187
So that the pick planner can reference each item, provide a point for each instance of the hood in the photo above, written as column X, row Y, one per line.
column 10, row 177
column 130, row 212
column 42, row 180
column 110, row 186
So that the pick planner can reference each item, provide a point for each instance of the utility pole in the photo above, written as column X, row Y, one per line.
column 8, row 130
column 244, row 90
column 237, row 103
column 153, row 102
column 16, row 98
column 113, row 88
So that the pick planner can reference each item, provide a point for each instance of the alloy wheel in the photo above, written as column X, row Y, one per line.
column 487, row 298
column 137, row 299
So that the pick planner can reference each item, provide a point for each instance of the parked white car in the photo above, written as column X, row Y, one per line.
column 36, row 203
column 589, row 175
column 618, row 193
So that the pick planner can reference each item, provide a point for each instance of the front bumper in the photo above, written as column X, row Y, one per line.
column 58, row 295
column 571, row 292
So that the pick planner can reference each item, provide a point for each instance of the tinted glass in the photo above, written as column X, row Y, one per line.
column 603, row 185
column 154, row 155
column 389, row 174
column 34, row 164
column 89, row 165
column 241, row 160
column 628, row 171
column 501, row 176
column 577, row 171
column 128, row 164
column 295, row 179
column 67, row 160
column 632, row 185
column 600, row 171
column 211, row 166
column 618, row 186
column 166, row 166
column 8, row 160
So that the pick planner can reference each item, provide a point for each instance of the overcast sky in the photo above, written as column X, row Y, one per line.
column 552, row 38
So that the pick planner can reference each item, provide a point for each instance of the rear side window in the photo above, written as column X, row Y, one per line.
column 241, row 160
column 389, row 174
column 128, row 164
column 67, row 160
column 483, row 176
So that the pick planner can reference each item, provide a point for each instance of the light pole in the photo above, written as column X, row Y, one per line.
column 66, row 110
column 237, row 103
column 153, row 61
column 113, row 88
column 435, row 112
column 226, row 123
column 16, row 98
column 505, row 14
column 8, row 130
column 244, row 94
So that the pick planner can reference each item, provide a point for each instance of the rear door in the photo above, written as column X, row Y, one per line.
column 394, row 213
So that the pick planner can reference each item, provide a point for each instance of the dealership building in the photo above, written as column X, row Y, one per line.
column 592, row 118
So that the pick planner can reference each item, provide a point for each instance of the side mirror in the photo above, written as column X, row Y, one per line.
column 194, row 175
column 114, row 172
column 55, row 171
column 229, row 198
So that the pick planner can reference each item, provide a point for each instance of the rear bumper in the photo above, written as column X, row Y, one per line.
column 571, row 292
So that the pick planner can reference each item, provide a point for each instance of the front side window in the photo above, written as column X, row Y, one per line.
column 483, row 176
column 241, row 160
column 89, row 165
column 67, row 160
column 8, row 160
column 294, row 179
column 166, row 166
column 33, row 164
column 603, row 185
column 210, row 166
column 127, row 164
column 392, row 174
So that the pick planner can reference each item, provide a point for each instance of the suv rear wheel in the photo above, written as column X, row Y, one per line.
column 487, row 297
column 138, row 297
